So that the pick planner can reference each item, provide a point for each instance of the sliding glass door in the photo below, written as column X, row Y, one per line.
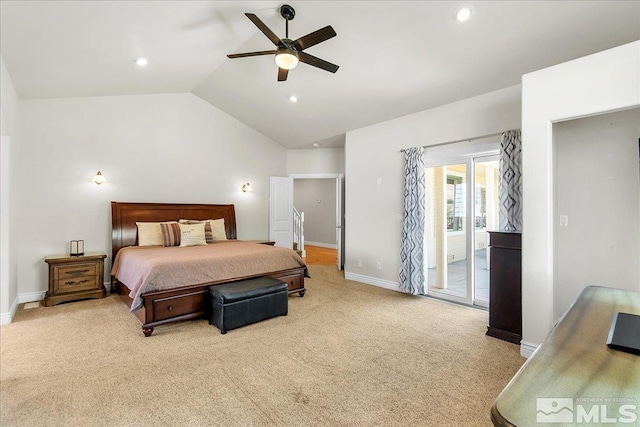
column 461, row 207
column 486, row 208
column 445, row 230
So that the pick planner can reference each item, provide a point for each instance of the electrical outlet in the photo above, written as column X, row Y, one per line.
column 359, row 263
column 450, row 257
column 379, row 265
column 318, row 201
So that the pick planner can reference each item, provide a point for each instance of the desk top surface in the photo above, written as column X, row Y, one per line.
column 575, row 363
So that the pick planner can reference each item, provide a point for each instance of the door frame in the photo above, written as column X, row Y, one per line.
column 340, row 196
column 469, row 161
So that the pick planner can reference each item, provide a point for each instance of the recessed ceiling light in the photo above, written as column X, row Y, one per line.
column 315, row 144
column 463, row 12
column 293, row 98
column 140, row 61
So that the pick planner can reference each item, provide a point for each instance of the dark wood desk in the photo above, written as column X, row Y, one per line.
column 575, row 362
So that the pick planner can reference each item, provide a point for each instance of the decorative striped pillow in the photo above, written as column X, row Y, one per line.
column 150, row 233
column 170, row 233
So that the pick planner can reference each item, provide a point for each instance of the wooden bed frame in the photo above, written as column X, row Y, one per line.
column 172, row 305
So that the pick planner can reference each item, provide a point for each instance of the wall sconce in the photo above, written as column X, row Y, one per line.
column 246, row 187
column 99, row 179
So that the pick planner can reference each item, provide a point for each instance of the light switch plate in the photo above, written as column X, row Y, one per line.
column 564, row 220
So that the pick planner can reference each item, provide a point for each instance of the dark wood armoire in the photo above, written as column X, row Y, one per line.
column 505, row 286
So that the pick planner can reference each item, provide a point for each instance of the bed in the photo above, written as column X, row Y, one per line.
column 187, row 301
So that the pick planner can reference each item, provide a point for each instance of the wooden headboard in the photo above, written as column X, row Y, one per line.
column 124, row 216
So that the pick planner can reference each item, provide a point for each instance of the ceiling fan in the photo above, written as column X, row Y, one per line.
column 290, row 52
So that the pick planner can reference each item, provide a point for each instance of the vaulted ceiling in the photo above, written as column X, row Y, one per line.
column 395, row 57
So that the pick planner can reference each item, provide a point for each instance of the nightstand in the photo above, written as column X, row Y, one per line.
column 75, row 277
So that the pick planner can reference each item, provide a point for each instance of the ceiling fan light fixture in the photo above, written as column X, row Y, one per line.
column 286, row 58
column 289, row 52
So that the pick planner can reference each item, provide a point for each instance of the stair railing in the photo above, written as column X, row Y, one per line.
column 298, row 230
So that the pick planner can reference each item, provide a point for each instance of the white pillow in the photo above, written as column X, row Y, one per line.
column 217, row 229
column 214, row 229
column 150, row 233
column 192, row 235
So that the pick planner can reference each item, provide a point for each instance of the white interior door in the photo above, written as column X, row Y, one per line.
column 281, row 211
column 340, row 221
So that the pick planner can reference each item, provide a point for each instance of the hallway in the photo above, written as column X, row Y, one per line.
column 317, row 255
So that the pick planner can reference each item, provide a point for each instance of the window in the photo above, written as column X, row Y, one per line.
column 455, row 203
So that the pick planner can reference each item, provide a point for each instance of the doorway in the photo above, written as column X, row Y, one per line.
column 320, row 198
column 461, row 207
column 319, row 255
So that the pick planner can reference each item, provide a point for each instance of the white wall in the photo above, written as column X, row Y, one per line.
column 597, row 182
column 151, row 148
column 374, row 211
column 603, row 82
column 8, row 144
column 316, row 160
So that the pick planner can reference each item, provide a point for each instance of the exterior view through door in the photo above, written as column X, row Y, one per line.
column 462, row 205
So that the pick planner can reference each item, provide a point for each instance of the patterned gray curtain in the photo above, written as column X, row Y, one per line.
column 412, row 266
column 511, row 181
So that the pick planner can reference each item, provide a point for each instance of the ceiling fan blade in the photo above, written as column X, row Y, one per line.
column 282, row 74
column 314, row 38
column 261, row 25
column 244, row 55
column 317, row 62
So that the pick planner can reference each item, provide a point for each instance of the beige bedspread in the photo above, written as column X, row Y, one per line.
column 152, row 268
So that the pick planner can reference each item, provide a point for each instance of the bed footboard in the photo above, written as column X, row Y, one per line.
column 174, row 305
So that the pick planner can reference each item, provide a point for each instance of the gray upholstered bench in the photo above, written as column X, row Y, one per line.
column 248, row 301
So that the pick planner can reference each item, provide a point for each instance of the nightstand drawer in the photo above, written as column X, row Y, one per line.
column 75, row 284
column 76, row 270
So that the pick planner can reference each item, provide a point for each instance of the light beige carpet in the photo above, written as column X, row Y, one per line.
column 348, row 354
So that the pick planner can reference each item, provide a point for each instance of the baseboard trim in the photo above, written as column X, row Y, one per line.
column 321, row 245
column 527, row 349
column 31, row 296
column 504, row 335
column 387, row 284
column 6, row 318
